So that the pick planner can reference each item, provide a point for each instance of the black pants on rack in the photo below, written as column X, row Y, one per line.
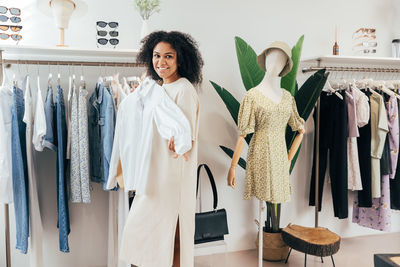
column 364, row 158
column 333, row 141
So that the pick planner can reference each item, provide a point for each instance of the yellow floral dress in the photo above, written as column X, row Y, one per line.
column 267, row 171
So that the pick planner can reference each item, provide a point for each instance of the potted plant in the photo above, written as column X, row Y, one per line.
column 306, row 97
column 146, row 8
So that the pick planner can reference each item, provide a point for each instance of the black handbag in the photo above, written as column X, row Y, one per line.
column 212, row 225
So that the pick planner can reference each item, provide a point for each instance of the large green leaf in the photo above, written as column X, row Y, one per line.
column 251, row 73
column 230, row 102
column 309, row 93
column 306, row 98
column 289, row 80
column 229, row 152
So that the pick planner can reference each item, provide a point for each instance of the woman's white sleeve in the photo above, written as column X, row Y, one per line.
column 171, row 122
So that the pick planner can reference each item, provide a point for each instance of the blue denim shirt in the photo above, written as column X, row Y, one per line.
column 101, row 122
column 50, row 139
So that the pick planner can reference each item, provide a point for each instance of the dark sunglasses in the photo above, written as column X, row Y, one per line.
column 103, row 24
column 4, row 18
column 13, row 10
column 104, row 41
column 104, row 33
column 13, row 28
column 15, row 37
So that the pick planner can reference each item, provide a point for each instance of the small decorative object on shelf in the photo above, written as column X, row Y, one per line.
column 146, row 8
column 364, row 41
column 62, row 11
column 336, row 46
column 396, row 48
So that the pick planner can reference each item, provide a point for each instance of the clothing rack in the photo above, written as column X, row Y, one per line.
column 55, row 52
column 72, row 63
column 384, row 61
column 352, row 69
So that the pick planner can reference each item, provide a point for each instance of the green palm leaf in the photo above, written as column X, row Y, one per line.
column 289, row 80
column 306, row 98
column 230, row 102
column 229, row 152
column 251, row 73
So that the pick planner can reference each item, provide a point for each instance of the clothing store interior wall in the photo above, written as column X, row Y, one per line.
column 214, row 24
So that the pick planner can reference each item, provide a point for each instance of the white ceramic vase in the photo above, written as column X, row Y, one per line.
column 145, row 29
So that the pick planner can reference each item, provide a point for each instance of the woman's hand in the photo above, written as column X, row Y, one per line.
column 232, row 177
column 171, row 146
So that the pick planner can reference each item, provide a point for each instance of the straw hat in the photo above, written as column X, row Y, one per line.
column 285, row 49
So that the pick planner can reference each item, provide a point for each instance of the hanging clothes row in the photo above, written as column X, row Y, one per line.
column 360, row 137
column 65, row 127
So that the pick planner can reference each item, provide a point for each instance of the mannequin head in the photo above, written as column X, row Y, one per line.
column 285, row 55
column 275, row 61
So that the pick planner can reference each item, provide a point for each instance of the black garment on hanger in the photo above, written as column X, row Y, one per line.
column 364, row 156
column 386, row 161
column 334, row 130
column 395, row 184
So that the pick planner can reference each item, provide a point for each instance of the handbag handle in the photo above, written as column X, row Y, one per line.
column 212, row 182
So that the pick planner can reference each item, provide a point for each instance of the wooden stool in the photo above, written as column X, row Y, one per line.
column 314, row 241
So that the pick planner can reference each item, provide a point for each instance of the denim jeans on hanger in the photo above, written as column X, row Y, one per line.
column 19, row 170
column 50, row 139
column 62, row 197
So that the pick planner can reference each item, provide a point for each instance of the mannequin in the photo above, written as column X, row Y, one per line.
column 276, row 63
column 275, row 60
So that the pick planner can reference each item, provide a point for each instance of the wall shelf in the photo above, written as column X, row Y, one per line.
column 14, row 52
column 351, row 63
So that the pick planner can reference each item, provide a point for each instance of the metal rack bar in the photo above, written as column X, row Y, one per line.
column 7, row 234
column 354, row 69
column 72, row 63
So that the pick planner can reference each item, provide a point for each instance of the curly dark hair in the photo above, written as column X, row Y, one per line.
column 189, row 59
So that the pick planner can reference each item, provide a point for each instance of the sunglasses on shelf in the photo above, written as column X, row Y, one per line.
column 104, row 41
column 103, row 24
column 13, row 10
column 15, row 37
column 4, row 18
column 104, row 33
column 13, row 28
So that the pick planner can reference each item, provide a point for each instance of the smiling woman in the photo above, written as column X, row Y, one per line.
column 180, row 48
column 160, row 227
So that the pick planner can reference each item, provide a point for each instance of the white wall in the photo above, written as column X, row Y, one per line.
column 213, row 24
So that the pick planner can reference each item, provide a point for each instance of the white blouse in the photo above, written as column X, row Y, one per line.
column 6, row 189
column 149, row 104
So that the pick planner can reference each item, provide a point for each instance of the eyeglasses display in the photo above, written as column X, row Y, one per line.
column 15, row 18
column 102, row 33
column 13, row 10
column 15, row 28
column 364, row 41
column 103, row 24
column 104, row 41
column 15, row 37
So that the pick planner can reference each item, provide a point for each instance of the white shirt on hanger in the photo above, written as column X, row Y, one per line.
column 39, row 127
column 148, row 104
column 6, row 189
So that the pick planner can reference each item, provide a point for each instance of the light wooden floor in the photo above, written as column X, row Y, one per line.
column 354, row 252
